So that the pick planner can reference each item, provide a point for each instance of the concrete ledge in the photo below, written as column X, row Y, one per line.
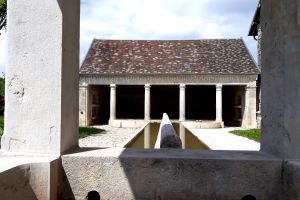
column 127, row 123
column 119, row 173
column 203, row 124
column 28, row 177
column 136, row 123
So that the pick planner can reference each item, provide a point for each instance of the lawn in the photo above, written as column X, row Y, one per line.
column 252, row 134
column 87, row 131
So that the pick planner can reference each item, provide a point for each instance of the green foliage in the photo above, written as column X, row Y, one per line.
column 3, row 4
column 2, row 85
column 87, row 131
column 252, row 134
column 3, row 13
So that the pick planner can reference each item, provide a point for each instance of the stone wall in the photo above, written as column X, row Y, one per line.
column 118, row 173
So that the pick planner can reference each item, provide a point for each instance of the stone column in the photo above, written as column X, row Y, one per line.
column 147, row 137
column 42, row 74
column 147, row 109
column 249, row 118
column 112, row 102
column 182, row 134
column 84, row 113
column 182, row 102
column 219, row 103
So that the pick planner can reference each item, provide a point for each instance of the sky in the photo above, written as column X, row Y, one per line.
column 161, row 19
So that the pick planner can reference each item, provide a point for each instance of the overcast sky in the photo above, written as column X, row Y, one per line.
column 161, row 19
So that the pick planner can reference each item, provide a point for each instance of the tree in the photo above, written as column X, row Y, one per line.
column 3, row 13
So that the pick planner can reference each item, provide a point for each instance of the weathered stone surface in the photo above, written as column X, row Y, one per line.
column 167, row 137
column 249, row 115
column 291, row 177
column 173, row 174
column 41, row 108
column 84, row 105
column 37, row 180
column 281, row 78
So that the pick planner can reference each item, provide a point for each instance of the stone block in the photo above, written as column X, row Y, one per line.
column 118, row 173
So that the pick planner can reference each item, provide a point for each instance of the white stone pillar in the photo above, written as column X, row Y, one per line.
column 147, row 137
column 147, row 109
column 182, row 102
column 249, row 118
column 219, row 103
column 42, row 74
column 182, row 134
column 113, row 102
column 84, row 112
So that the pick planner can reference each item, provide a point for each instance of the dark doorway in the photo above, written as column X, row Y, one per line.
column 200, row 102
column 233, row 105
column 165, row 99
column 100, row 103
column 130, row 102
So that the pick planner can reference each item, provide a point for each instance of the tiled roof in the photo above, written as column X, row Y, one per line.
column 225, row 56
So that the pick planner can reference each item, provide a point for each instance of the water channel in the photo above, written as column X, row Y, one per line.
column 146, row 138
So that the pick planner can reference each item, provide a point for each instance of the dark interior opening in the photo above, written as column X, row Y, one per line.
column 130, row 102
column 165, row 99
column 233, row 99
column 248, row 197
column 200, row 102
column 100, row 103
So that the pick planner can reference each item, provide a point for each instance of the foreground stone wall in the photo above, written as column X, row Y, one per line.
column 281, row 78
column 41, row 94
column 34, row 181
column 172, row 174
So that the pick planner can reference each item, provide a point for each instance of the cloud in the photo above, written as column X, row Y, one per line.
column 161, row 19
column 166, row 19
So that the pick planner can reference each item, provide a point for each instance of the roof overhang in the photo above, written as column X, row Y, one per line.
column 255, row 22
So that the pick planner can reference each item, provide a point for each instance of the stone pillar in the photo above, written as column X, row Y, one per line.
column 147, row 137
column 249, row 118
column 281, row 78
column 182, row 102
column 219, row 103
column 147, row 109
column 112, row 102
column 84, row 112
column 182, row 134
column 42, row 74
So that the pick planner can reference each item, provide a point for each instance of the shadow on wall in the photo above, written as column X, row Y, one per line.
column 15, row 184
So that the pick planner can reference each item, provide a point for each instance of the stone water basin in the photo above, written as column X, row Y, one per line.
column 146, row 138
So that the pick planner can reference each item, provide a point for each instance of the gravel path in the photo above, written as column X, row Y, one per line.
column 111, row 137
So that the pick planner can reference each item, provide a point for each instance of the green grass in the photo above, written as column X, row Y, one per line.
column 87, row 131
column 252, row 134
